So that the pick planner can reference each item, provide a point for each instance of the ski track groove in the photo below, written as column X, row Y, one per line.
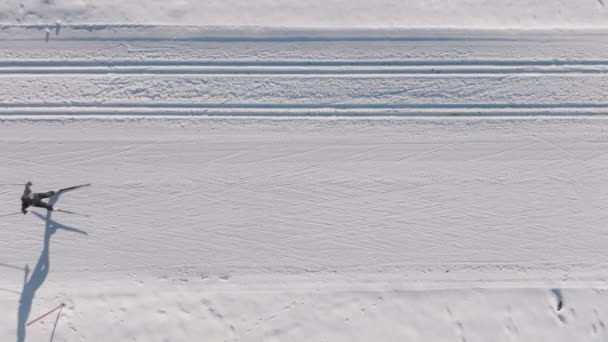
column 35, row 111
column 309, row 72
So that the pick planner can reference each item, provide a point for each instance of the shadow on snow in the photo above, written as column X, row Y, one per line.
column 41, row 270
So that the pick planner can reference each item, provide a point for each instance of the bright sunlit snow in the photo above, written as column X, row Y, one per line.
column 344, row 171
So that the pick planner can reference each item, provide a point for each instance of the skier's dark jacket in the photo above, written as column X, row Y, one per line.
column 26, row 199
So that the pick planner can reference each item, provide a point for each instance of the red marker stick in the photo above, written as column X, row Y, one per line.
column 46, row 314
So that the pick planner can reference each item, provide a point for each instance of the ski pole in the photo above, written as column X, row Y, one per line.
column 46, row 314
column 10, row 214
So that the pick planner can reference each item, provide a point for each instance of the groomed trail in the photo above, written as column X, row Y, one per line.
column 304, row 185
column 144, row 70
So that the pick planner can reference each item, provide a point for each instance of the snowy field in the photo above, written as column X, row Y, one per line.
column 525, row 14
column 329, row 181
column 310, row 229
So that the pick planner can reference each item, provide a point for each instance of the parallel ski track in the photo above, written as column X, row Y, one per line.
column 310, row 68
column 304, row 68
column 289, row 110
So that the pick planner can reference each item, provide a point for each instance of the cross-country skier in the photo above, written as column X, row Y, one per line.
column 34, row 199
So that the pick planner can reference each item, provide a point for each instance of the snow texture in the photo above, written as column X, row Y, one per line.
column 303, row 184
column 313, row 13
column 252, row 229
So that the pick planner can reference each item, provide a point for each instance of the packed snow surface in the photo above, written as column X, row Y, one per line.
column 304, row 185
column 313, row 13
column 255, row 229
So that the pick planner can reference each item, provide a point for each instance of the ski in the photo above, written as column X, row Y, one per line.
column 73, row 188
column 70, row 212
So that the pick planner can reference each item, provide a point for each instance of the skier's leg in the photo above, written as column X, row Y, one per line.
column 40, row 204
column 48, row 194
column 42, row 195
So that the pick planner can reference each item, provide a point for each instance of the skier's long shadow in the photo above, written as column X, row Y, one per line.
column 31, row 285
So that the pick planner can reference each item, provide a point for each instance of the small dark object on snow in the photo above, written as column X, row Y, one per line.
column 559, row 297
column 34, row 199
